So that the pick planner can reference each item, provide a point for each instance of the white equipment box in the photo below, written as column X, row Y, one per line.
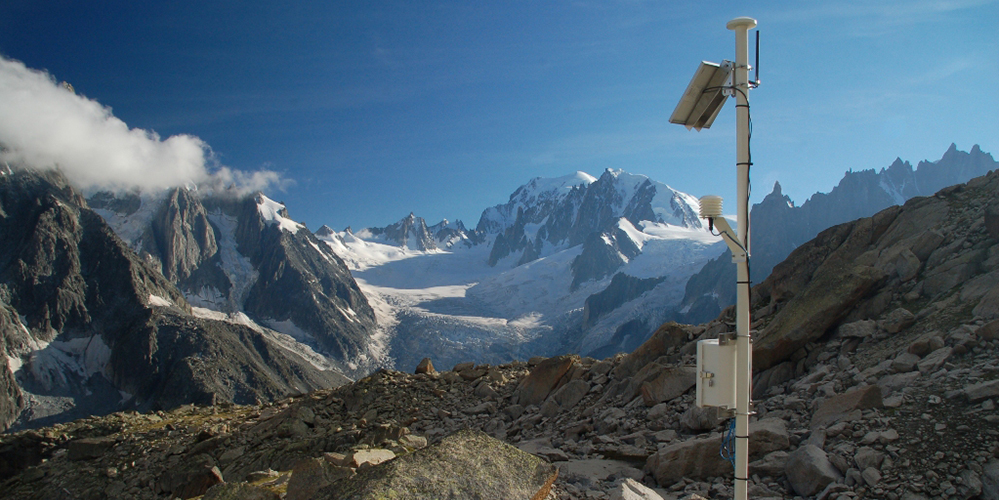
column 716, row 373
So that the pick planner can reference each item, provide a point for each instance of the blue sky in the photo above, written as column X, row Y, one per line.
column 375, row 109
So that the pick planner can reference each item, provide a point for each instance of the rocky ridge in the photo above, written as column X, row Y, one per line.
column 779, row 226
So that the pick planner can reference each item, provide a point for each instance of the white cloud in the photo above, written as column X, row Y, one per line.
column 45, row 126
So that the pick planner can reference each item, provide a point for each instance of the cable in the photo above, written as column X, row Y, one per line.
column 727, row 451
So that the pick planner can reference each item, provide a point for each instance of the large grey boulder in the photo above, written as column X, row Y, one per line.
column 699, row 458
column 990, row 480
column 669, row 383
column 981, row 391
column 697, row 419
column 840, row 405
column 467, row 464
column 809, row 470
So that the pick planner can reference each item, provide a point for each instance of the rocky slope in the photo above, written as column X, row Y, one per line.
column 87, row 327
column 779, row 226
column 243, row 254
column 877, row 376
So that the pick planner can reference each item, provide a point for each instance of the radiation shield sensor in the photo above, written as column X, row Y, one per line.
column 704, row 96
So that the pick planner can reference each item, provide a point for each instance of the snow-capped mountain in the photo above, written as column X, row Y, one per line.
column 413, row 233
column 88, row 327
column 576, row 263
column 243, row 254
column 779, row 226
column 547, row 215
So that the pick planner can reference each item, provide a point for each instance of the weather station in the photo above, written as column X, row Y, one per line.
column 725, row 364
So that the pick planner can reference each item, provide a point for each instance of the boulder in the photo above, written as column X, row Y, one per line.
column 431, row 473
column 542, row 447
column 425, row 366
column 698, row 458
column 192, row 477
column 970, row 484
column 934, row 360
column 460, row 367
column 981, row 391
column 826, row 299
column 772, row 377
column 670, row 383
column 668, row 335
column 990, row 480
column 988, row 306
column 569, row 394
column 857, row 329
column 772, row 464
column 372, row 456
column 311, row 475
column 989, row 331
column 692, row 459
column 992, row 219
column 836, row 407
column 768, row 435
column 87, row 448
column 697, row 419
column 593, row 471
column 867, row 457
column 906, row 265
column 543, row 378
column 871, row 476
column 629, row 489
column 809, row 470
column 897, row 320
column 905, row 362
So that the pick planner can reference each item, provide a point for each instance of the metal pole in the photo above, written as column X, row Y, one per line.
column 744, row 355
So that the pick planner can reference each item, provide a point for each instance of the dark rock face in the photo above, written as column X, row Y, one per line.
column 603, row 253
column 111, row 322
column 302, row 280
column 779, row 227
column 184, row 238
column 409, row 232
column 511, row 240
column 269, row 267
column 622, row 288
column 859, row 270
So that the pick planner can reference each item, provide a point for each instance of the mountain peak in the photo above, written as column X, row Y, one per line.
column 326, row 231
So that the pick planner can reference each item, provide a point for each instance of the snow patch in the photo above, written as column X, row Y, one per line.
column 237, row 268
column 288, row 327
column 157, row 301
column 53, row 365
column 270, row 211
